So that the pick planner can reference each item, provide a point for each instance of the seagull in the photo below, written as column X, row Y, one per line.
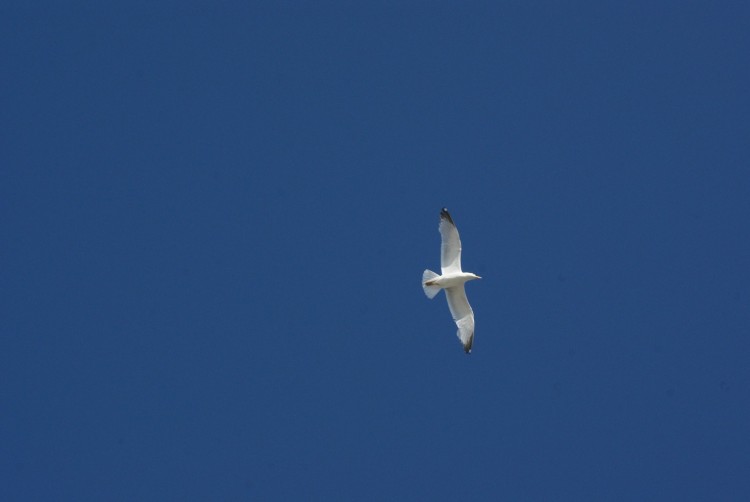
column 452, row 280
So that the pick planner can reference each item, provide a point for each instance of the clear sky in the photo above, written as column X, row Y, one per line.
column 215, row 220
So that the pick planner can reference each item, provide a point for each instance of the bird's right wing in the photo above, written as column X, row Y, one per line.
column 462, row 314
column 450, row 250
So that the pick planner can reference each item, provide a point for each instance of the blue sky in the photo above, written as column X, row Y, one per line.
column 215, row 218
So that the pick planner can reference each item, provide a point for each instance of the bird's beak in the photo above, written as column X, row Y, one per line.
column 478, row 277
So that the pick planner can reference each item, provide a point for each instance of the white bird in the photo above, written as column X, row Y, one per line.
column 452, row 280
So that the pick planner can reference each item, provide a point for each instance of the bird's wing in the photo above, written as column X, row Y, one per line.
column 450, row 250
column 462, row 314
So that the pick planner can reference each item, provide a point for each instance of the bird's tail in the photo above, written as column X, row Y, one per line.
column 430, row 291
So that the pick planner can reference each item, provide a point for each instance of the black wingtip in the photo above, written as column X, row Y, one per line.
column 469, row 344
column 444, row 214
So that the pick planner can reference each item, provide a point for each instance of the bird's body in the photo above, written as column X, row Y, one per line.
column 452, row 280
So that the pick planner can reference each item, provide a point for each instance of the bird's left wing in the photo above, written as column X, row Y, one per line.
column 450, row 250
column 462, row 314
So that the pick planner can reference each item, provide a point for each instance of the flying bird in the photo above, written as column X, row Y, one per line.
column 452, row 280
